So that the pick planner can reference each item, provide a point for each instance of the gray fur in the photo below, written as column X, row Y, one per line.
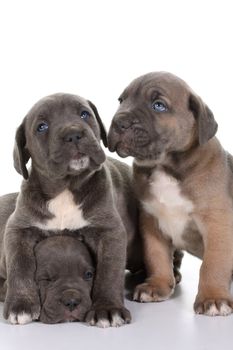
column 61, row 274
column 102, row 189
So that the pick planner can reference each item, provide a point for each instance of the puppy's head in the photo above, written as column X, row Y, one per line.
column 159, row 113
column 64, row 275
column 61, row 134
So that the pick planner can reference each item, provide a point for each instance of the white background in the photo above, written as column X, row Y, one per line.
column 94, row 49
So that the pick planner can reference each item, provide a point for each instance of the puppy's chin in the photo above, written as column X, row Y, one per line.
column 74, row 316
column 79, row 164
column 139, row 153
column 125, row 149
column 122, row 152
column 60, row 315
column 93, row 159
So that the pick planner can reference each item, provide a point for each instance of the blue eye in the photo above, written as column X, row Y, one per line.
column 42, row 127
column 159, row 106
column 85, row 115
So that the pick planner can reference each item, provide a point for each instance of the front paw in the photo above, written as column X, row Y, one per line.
column 213, row 306
column 154, row 290
column 108, row 316
column 21, row 309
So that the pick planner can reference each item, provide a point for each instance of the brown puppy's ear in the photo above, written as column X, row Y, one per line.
column 207, row 126
column 21, row 155
column 103, row 133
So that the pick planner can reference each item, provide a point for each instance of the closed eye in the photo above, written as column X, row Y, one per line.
column 47, row 279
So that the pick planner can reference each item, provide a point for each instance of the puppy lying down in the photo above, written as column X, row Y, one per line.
column 64, row 274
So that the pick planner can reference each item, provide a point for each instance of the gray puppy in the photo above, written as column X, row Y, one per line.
column 71, row 187
column 64, row 273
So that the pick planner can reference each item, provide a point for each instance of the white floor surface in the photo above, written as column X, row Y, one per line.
column 167, row 325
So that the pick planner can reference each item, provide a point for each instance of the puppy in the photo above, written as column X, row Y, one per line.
column 70, row 188
column 64, row 275
column 183, row 180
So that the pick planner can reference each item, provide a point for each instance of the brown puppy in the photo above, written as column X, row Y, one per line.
column 184, row 181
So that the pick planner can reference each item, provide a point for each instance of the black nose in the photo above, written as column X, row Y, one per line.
column 123, row 124
column 73, row 136
column 71, row 303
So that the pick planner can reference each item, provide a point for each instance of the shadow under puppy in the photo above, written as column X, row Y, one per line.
column 183, row 180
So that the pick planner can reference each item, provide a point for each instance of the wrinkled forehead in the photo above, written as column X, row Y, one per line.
column 57, row 104
column 57, row 251
column 153, row 85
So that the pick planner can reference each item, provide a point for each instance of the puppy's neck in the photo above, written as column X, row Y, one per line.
column 50, row 187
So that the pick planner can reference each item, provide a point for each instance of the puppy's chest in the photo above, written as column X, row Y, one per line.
column 66, row 214
column 170, row 207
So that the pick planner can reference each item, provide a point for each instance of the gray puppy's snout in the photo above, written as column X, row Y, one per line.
column 71, row 304
column 73, row 136
column 71, row 300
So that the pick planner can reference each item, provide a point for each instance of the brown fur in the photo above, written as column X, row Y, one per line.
column 179, row 145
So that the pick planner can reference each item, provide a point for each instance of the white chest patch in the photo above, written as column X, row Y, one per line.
column 171, row 208
column 67, row 214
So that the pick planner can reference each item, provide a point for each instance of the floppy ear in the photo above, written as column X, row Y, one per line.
column 103, row 133
column 207, row 126
column 21, row 155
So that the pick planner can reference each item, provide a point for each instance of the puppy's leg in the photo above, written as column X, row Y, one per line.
column 158, row 255
column 107, row 297
column 22, row 304
column 214, row 296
